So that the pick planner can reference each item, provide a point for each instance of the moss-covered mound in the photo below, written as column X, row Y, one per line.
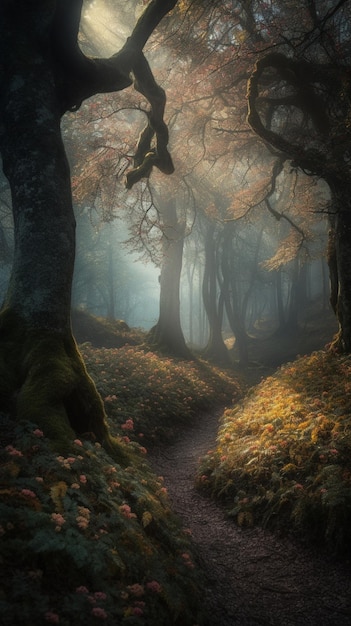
column 101, row 332
column 283, row 457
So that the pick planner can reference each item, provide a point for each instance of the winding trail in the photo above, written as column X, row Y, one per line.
column 252, row 577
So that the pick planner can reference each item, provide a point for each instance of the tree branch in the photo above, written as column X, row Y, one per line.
column 291, row 72
column 81, row 77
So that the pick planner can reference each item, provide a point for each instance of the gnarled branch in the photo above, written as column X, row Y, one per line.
column 79, row 77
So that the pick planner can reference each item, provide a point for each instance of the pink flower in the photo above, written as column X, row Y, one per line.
column 83, row 479
column 82, row 522
column 100, row 595
column 51, row 617
column 78, row 442
column 136, row 590
column 126, row 511
column 128, row 425
column 99, row 612
column 82, row 589
column 154, row 586
column 38, row 433
column 58, row 519
column 13, row 451
column 27, row 493
column 136, row 610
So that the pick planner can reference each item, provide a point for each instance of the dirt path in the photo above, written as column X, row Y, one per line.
column 252, row 577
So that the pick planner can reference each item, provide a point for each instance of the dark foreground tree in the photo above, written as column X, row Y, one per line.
column 43, row 74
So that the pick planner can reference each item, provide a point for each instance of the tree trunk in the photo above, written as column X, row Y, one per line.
column 43, row 378
column 167, row 334
column 216, row 348
column 231, row 299
column 341, row 193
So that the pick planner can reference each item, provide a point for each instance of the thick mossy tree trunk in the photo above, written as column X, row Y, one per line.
column 43, row 73
column 42, row 378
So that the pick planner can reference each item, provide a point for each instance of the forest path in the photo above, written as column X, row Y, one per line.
column 252, row 577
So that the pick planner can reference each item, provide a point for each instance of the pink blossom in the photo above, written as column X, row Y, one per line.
column 38, row 433
column 128, row 425
column 78, row 442
column 82, row 522
column 136, row 590
column 99, row 612
column 13, row 451
column 82, row 589
column 154, row 586
column 100, row 595
column 51, row 617
column 136, row 610
column 126, row 511
column 27, row 493
column 58, row 519
column 83, row 479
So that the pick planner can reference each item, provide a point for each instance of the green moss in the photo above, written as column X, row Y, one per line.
column 44, row 380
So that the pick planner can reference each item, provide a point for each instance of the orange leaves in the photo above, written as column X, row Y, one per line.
column 287, row 251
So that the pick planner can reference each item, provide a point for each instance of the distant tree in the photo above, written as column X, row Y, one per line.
column 44, row 74
column 300, row 103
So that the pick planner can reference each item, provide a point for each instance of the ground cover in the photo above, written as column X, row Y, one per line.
column 283, row 454
column 87, row 539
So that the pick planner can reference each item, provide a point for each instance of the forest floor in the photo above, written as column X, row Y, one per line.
column 252, row 577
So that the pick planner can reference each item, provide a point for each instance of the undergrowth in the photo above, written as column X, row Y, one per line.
column 159, row 395
column 84, row 540
column 283, row 455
